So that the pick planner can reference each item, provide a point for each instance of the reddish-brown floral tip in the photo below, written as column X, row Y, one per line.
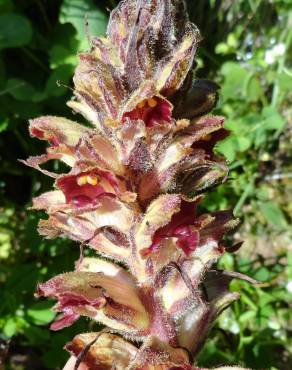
column 153, row 111
column 53, row 140
column 69, row 302
column 57, row 130
column 181, row 227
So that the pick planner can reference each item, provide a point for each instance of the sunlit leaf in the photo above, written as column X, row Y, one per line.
column 253, row 90
column 77, row 11
column 272, row 120
column 59, row 55
column 273, row 214
column 10, row 328
column 235, row 76
column 233, row 144
column 41, row 313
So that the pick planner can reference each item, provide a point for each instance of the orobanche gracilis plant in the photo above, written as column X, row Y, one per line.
column 135, row 181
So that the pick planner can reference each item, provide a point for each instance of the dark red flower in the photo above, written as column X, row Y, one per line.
column 86, row 187
column 182, row 227
column 153, row 111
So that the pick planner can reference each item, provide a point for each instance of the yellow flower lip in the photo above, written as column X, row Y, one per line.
column 151, row 103
column 87, row 179
column 142, row 104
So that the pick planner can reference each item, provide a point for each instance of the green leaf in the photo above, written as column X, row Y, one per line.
column 285, row 80
column 249, row 301
column 262, row 274
column 260, row 136
column 222, row 48
column 10, row 328
column 233, row 69
column 247, row 340
column 253, row 90
column 265, row 298
column 76, row 11
column 247, row 316
column 60, row 55
column 227, row 262
column 23, row 91
column 273, row 215
column 263, row 193
column 3, row 124
column 20, row 89
column 234, row 79
column 41, row 313
column 243, row 143
column 15, row 30
column 289, row 264
column 233, row 144
column 227, row 148
column 272, row 120
column 232, row 41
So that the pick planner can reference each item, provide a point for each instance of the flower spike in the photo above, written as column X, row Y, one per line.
column 131, row 192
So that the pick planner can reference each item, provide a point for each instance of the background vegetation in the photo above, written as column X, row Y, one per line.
column 247, row 48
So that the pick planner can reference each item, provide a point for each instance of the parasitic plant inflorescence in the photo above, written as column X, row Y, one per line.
column 131, row 193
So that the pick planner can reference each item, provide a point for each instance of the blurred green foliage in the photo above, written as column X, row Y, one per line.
column 247, row 48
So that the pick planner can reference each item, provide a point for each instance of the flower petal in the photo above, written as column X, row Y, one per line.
column 50, row 201
column 85, row 185
column 157, row 355
column 91, row 264
column 131, row 136
column 104, row 229
column 212, row 228
column 102, row 297
column 173, row 70
column 157, row 215
column 181, row 229
column 186, row 162
column 106, row 351
column 96, row 83
column 57, row 130
column 98, row 150
column 200, row 130
column 153, row 111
